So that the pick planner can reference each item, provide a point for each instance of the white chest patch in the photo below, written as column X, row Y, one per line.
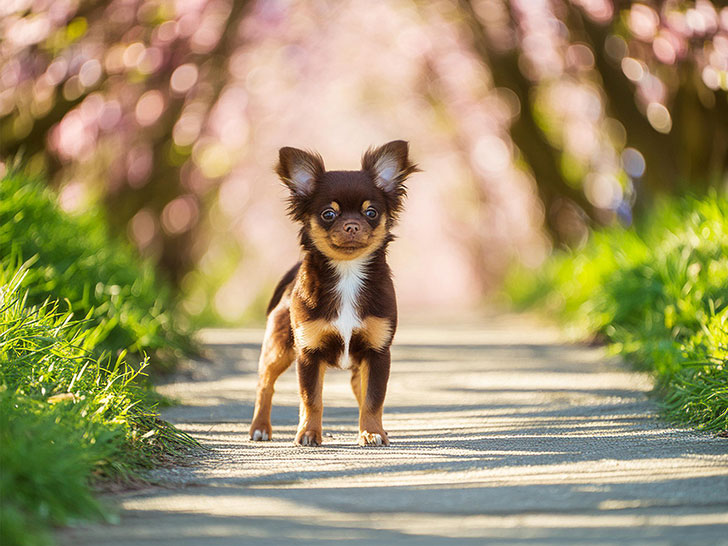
column 351, row 274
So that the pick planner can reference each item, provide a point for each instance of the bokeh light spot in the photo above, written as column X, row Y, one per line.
column 711, row 77
column 580, row 56
column 149, row 107
column 599, row 10
column 183, row 78
column 110, row 115
column 56, row 71
column 213, row 159
column 72, row 196
column 143, row 228
column 616, row 47
column 22, row 126
column 696, row 21
column 187, row 129
column 7, row 103
column 616, row 131
column 633, row 162
column 664, row 50
column 114, row 59
column 659, row 117
column 90, row 73
column 26, row 31
column 633, row 69
column 132, row 54
column 603, row 191
column 72, row 89
column 643, row 21
column 150, row 60
column 180, row 214
column 167, row 31
column 139, row 163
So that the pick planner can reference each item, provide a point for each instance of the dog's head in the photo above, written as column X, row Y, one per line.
column 346, row 214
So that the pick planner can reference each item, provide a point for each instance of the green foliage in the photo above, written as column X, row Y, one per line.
column 75, row 260
column 72, row 407
column 66, row 416
column 47, row 453
column 659, row 293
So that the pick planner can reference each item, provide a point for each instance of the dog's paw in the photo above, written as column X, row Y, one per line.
column 260, row 432
column 309, row 438
column 260, row 436
column 373, row 439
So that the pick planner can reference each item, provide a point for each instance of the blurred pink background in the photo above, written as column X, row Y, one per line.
column 171, row 112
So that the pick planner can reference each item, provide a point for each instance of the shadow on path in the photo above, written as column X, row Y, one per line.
column 504, row 438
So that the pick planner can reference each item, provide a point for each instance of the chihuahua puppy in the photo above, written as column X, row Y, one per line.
column 336, row 307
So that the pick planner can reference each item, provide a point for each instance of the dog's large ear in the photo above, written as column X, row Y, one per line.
column 299, row 170
column 390, row 166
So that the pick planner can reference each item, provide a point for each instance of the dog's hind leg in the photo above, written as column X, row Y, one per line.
column 275, row 357
column 356, row 382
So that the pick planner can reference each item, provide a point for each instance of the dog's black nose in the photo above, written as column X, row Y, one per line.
column 352, row 227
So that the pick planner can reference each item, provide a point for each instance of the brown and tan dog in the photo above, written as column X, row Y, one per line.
column 337, row 306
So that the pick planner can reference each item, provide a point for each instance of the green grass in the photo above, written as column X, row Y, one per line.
column 658, row 293
column 76, row 261
column 67, row 417
column 77, row 320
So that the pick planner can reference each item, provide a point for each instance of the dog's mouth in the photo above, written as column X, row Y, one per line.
column 349, row 246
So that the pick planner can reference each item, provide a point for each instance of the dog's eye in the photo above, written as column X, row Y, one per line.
column 371, row 213
column 328, row 215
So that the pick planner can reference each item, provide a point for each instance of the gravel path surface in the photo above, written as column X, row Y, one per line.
column 500, row 432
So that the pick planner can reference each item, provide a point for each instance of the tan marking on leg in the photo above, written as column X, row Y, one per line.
column 264, row 397
column 356, row 383
column 377, row 331
column 275, row 358
column 310, row 334
column 363, row 386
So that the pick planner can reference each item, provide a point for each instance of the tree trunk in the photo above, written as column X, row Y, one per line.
column 537, row 151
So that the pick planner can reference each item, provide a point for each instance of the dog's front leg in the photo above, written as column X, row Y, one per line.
column 276, row 356
column 373, row 374
column 311, row 369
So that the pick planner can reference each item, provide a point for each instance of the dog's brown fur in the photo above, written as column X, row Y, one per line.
column 338, row 303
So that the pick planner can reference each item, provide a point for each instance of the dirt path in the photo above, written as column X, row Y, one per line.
column 500, row 433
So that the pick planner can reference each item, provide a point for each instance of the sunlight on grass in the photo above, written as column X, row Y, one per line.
column 76, row 261
column 77, row 321
column 65, row 415
column 659, row 295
